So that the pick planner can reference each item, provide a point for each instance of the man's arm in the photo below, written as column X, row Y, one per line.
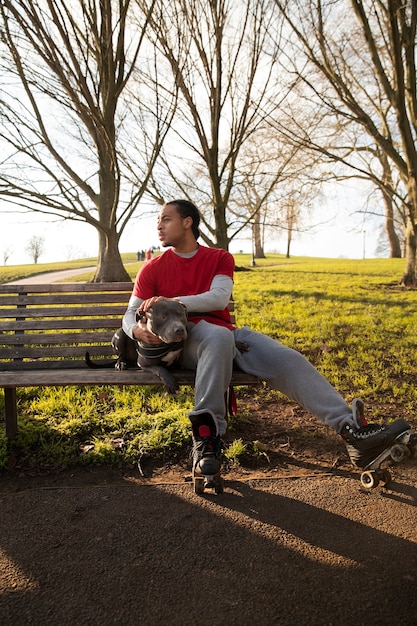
column 129, row 319
column 215, row 299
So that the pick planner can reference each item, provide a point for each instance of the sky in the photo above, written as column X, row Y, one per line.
column 332, row 237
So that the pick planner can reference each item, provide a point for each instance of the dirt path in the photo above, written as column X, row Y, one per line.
column 95, row 547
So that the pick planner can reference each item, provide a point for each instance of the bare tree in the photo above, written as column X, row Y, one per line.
column 358, row 59
column 35, row 247
column 7, row 252
column 223, row 58
column 77, row 140
column 269, row 176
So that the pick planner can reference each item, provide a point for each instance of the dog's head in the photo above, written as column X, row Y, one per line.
column 167, row 319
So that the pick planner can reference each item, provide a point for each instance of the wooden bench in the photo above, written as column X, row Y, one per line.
column 47, row 329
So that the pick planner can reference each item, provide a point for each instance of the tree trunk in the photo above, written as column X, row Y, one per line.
column 257, row 239
column 289, row 238
column 393, row 240
column 110, row 266
column 409, row 276
column 221, row 238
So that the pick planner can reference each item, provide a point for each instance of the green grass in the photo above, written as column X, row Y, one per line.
column 351, row 319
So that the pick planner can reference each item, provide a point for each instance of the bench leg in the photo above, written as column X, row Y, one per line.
column 10, row 407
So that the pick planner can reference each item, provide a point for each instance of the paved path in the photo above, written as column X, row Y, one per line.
column 51, row 277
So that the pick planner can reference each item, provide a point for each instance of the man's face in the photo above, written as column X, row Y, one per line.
column 171, row 226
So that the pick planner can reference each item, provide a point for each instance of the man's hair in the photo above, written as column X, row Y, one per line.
column 188, row 209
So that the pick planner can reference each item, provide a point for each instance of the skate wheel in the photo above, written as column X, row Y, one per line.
column 398, row 453
column 369, row 479
column 412, row 451
column 198, row 483
column 218, row 485
column 385, row 476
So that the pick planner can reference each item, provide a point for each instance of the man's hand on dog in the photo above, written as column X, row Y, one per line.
column 140, row 331
column 146, row 304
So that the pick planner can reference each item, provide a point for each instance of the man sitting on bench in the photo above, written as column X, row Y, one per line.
column 202, row 279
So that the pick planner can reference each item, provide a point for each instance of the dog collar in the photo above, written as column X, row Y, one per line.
column 151, row 351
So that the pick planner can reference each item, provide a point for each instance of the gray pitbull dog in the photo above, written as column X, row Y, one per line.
column 166, row 319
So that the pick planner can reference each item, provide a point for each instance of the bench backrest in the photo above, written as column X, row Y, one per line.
column 43, row 324
column 40, row 324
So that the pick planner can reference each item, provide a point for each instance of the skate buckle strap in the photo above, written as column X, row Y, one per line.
column 366, row 431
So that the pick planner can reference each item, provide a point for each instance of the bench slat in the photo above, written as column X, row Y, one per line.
column 71, row 363
column 110, row 377
column 66, row 311
column 55, row 324
column 24, row 300
column 25, row 339
column 43, row 352
column 67, row 288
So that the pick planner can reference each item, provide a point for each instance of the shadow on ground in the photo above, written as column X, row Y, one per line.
column 95, row 547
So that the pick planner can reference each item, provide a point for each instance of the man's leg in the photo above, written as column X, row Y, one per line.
column 210, row 349
column 289, row 372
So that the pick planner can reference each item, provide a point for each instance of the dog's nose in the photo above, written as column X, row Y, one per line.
column 180, row 332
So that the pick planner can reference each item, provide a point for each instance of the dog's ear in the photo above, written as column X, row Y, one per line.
column 140, row 315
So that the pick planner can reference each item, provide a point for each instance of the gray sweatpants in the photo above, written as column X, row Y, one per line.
column 211, row 351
